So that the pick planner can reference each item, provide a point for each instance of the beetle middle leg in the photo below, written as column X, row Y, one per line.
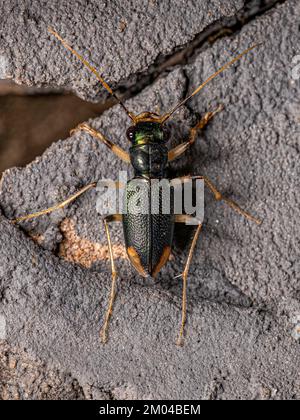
column 117, row 150
column 181, row 148
column 230, row 203
column 219, row 197
column 106, row 221
column 183, row 218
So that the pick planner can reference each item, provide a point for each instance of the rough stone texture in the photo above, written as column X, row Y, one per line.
column 244, row 308
column 117, row 36
column 22, row 378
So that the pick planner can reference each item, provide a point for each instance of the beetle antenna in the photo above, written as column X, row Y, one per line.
column 226, row 66
column 93, row 70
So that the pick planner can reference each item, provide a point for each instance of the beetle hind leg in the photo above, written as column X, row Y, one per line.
column 104, row 329
column 184, row 275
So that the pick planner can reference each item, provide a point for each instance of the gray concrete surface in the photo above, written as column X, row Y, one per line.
column 118, row 38
column 21, row 378
column 244, row 309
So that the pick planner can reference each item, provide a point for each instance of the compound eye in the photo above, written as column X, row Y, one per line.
column 131, row 133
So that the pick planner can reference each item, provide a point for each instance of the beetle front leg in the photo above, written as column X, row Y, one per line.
column 118, row 151
column 106, row 221
column 181, row 148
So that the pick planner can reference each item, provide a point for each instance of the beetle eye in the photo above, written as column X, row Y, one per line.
column 131, row 133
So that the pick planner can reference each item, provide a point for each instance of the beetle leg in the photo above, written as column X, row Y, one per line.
column 107, row 220
column 182, row 218
column 181, row 148
column 220, row 197
column 57, row 206
column 231, row 203
column 118, row 151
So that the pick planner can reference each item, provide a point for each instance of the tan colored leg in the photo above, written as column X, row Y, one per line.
column 182, row 218
column 118, row 151
column 181, row 148
column 231, row 203
column 220, row 197
column 57, row 206
column 107, row 220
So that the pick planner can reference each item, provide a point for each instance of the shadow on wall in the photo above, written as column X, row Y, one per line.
column 31, row 119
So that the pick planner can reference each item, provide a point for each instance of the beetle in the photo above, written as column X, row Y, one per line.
column 148, row 237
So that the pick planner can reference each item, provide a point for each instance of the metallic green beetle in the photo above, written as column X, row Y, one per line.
column 148, row 237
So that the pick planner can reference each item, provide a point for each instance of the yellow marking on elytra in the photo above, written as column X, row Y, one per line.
column 163, row 259
column 136, row 261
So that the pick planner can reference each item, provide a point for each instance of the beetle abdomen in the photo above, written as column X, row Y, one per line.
column 148, row 237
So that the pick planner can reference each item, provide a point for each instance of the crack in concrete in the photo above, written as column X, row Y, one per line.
column 60, row 304
column 186, row 54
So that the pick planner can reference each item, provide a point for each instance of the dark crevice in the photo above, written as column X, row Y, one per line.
column 186, row 90
column 22, row 142
column 227, row 26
